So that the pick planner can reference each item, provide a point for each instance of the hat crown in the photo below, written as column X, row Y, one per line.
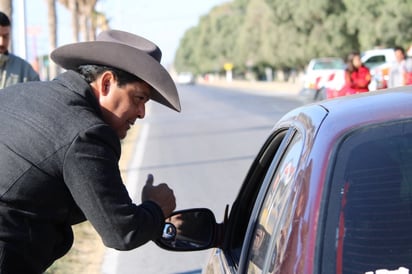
column 131, row 40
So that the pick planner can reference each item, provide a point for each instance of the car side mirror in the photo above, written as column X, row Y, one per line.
column 189, row 230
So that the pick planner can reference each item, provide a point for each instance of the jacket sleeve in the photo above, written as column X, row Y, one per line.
column 92, row 175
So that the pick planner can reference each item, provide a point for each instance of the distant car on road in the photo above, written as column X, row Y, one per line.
column 324, row 72
column 329, row 192
column 185, row 78
column 379, row 62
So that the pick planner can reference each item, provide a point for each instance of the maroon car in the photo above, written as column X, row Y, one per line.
column 329, row 192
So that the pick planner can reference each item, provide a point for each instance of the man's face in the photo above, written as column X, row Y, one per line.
column 399, row 55
column 357, row 61
column 121, row 106
column 4, row 38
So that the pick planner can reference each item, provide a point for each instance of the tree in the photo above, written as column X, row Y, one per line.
column 253, row 45
column 287, row 34
column 207, row 47
column 52, row 22
column 6, row 6
column 184, row 58
column 73, row 7
column 382, row 23
column 86, row 12
column 82, row 12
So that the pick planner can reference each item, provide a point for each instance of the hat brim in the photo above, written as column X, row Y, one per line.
column 126, row 58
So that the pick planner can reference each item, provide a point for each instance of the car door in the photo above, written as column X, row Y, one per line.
column 366, row 214
column 275, row 211
column 227, row 259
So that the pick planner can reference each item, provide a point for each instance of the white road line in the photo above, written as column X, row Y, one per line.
column 111, row 258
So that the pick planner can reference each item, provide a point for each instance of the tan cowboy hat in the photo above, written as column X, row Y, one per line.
column 125, row 51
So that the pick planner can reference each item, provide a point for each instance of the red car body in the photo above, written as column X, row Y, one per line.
column 324, row 190
column 326, row 125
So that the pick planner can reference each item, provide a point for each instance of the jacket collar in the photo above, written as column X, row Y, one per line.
column 75, row 83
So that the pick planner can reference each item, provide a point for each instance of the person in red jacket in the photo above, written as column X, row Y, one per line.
column 357, row 75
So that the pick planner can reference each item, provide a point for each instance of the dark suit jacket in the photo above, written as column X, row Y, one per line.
column 58, row 167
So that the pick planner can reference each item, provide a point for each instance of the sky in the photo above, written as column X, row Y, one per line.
column 162, row 21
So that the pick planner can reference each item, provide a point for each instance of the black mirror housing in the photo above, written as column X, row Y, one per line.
column 190, row 230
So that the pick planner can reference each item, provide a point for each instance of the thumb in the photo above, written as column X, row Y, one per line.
column 149, row 180
column 147, row 187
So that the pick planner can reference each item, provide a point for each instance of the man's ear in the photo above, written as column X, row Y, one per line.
column 106, row 87
column 106, row 80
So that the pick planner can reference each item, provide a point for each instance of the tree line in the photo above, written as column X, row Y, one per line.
column 254, row 35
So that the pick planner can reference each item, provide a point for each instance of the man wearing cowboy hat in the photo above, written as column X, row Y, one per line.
column 60, row 147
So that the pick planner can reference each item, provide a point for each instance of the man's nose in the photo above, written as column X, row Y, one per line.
column 141, row 111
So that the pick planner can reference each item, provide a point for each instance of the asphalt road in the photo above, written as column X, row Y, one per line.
column 203, row 153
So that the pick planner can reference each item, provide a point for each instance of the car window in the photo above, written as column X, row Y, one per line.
column 243, row 206
column 369, row 224
column 329, row 64
column 268, row 231
column 375, row 61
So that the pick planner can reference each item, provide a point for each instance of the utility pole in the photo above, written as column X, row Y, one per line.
column 22, row 31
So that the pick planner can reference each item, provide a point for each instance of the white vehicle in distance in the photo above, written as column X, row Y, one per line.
column 327, row 72
column 185, row 78
column 379, row 62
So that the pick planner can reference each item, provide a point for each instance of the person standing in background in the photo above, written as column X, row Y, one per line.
column 408, row 67
column 357, row 75
column 398, row 69
column 13, row 69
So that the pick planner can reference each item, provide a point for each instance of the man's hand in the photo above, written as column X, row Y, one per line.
column 160, row 194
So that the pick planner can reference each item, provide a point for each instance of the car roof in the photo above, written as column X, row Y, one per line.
column 370, row 107
column 355, row 110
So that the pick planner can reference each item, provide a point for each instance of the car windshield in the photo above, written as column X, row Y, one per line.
column 329, row 64
column 370, row 227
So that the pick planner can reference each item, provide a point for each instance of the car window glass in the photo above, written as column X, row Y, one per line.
column 243, row 206
column 375, row 61
column 370, row 215
column 329, row 64
column 275, row 211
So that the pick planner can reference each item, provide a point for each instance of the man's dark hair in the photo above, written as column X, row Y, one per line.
column 91, row 72
column 4, row 20
column 401, row 49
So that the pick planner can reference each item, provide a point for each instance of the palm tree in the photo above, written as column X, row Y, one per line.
column 82, row 12
column 6, row 6
column 99, row 21
column 51, row 8
column 85, row 20
column 73, row 7
column 87, row 9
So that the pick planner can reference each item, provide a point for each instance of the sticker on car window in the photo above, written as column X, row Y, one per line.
column 400, row 270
